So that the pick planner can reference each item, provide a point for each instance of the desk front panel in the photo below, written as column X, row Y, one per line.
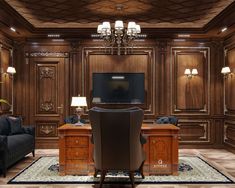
column 75, row 149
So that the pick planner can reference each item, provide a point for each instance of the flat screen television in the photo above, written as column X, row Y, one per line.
column 118, row 88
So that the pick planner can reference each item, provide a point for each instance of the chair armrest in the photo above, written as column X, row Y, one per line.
column 29, row 130
column 3, row 142
column 143, row 139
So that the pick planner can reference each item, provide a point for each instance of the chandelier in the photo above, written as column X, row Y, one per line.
column 119, row 35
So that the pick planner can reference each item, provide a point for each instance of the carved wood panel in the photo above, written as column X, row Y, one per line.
column 230, row 82
column 46, row 129
column 160, row 153
column 190, row 94
column 195, row 131
column 46, row 88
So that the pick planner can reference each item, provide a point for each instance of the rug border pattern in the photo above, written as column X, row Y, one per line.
column 11, row 181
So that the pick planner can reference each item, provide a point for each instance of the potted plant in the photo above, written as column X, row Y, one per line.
column 4, row 101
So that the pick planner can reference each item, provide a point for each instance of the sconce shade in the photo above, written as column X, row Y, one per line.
column 11, row 70
column 187, row 72
column 78, row 101
column 194, row 72
column 225, row 70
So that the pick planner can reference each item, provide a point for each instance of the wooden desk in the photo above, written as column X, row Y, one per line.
column 75, row 149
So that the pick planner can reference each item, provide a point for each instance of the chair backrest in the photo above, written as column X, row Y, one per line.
column 116, row 136
column 168, row 119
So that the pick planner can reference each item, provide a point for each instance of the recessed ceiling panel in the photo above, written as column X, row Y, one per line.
column 148, row 13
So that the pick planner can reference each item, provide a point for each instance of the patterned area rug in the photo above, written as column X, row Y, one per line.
column 191, row 170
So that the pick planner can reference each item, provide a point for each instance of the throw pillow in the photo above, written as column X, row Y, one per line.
column 15, row 124
column 4, row 126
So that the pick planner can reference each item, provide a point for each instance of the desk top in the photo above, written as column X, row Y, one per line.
column 145, row 126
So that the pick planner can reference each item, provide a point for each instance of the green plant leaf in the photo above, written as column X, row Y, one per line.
column 5, row 102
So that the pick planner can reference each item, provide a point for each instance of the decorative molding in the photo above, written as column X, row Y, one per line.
column 204, row 127
column 225, row 130
column 205, row 124
column 204, row 109
column 46, row 72
column 47, row 54
column 205, row 51
column 225, row 52
column 47, row 129
column 46, row 106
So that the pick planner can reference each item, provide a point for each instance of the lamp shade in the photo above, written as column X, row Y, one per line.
column 225, row 70
column 99, row 28
column 131, row 25
column 78, row 101
column 138, row 30
column 11, row 70
column 194, row 72
column 119, row 24
column 106, row 25
column 187, row 72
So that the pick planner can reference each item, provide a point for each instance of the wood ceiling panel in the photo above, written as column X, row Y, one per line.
column 148, row 13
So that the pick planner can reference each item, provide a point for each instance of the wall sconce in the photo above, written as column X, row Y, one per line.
column 226, row 71
column 190, row 73
column 10, row 71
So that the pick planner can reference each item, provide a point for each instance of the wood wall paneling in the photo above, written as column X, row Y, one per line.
column 229, row 133
column 230, row 82
column 229, row 96
column 190, row 95
column 195, row 131
column 140, row 61
column 6, row 80
column 165, row 85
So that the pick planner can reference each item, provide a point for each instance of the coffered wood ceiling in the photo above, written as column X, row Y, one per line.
column 70, row 16
column 148, row 13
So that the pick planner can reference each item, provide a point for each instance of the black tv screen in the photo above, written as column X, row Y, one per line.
column 118, row 88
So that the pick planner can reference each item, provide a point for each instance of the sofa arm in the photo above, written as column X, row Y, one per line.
column 3, row 142
column 29, row 130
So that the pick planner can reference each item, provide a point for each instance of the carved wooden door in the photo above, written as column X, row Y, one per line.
column 48, row 95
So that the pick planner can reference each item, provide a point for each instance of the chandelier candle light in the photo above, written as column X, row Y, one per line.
column 119, row 35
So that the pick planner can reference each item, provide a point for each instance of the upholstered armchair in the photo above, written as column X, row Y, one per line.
column 118, row 143
column 168, row 119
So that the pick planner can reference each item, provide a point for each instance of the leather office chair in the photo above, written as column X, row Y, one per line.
column 168, row 119
column 117, row 141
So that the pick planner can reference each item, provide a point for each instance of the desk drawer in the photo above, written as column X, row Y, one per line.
column 77, row 153
column 77, row 167
column 77, row 141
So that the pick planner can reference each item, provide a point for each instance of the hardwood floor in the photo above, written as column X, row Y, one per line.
column 222, row 159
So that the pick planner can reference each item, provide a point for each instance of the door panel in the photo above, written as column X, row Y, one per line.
column 47, row 81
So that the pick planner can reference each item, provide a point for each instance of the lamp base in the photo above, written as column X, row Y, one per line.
column 79, row 123
column 79, row 112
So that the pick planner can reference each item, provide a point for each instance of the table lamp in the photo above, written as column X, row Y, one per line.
column 79, row 102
